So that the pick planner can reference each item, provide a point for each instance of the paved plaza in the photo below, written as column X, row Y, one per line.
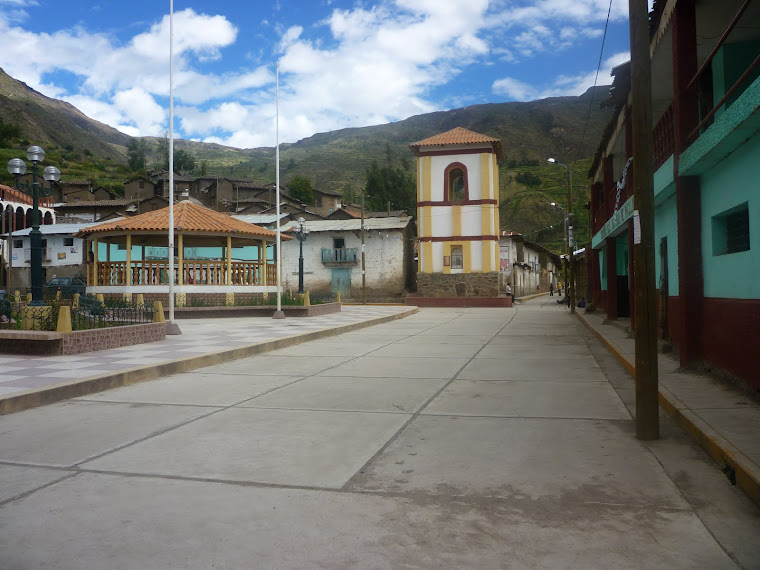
column 451, row 438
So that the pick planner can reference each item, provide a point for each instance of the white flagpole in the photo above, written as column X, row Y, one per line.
column 278, row 314
column 171, row 328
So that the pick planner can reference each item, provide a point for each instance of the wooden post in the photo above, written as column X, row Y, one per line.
column 129, row 260
column 263, row 262
column 647, row 397
column 95, row 262
column 229, row 261
column 180, row 259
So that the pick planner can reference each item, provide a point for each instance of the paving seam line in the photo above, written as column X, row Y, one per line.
column 82, row 387
column 723, row 452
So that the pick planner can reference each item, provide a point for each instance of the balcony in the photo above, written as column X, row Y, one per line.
column 339, row 256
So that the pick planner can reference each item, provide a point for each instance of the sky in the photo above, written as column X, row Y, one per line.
column 341, row 63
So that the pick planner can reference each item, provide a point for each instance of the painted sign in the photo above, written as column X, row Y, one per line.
column 504, row 264
column 617, row 220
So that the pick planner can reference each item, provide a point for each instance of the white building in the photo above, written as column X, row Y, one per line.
column 527, row 266
column 332, row 257
column 63, row 255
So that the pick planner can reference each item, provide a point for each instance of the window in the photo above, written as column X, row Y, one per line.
column 456, row 185
column 339, row 243
column 730, row 230
column 457, row 258
column 68, row 242
column 18, row 244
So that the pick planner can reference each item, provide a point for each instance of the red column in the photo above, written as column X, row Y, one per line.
column 611, row 253
column 631, row 286
column 688, row 200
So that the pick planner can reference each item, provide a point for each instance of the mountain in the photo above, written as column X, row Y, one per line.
column 51, row 122
column 568, row 128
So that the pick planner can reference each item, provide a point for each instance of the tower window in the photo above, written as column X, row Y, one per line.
column 456, row 183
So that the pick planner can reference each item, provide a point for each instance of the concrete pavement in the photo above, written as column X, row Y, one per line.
column 452, row 438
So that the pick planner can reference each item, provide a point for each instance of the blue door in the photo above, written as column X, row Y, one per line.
column 341, row 281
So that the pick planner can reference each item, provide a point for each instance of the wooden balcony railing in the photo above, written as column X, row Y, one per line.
column 664, row 141
column 193, row 273
column 339, row 255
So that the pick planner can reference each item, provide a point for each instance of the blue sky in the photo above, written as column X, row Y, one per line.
column 342, row 63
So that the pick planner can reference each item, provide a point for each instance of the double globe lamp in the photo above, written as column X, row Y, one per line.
column 17, row 168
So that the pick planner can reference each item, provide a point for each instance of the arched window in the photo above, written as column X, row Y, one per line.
column 456, row 183
column 457, row 258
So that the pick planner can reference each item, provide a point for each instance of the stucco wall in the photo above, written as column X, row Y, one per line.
column 732, row 182
column 666, row 225
column 384, row 258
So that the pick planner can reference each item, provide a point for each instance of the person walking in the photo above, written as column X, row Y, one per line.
column 509, row 293
column 551, row 289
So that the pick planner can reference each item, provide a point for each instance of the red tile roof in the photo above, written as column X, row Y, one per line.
column 459, row 136
column 188, row 218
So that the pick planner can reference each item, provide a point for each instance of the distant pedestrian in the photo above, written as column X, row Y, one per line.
column 509, row 293
column 559, row 288
column 551, row 289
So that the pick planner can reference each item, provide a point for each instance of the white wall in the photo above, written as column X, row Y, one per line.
column 384, row 257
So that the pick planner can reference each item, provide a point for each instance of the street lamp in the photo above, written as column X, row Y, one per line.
column 569, row 226
column 302, row 232
column 17, row 167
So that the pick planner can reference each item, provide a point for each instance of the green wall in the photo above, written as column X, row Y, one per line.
column 666, row 225
column 732, row 182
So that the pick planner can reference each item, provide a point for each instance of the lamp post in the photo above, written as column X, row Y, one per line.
column 564, row 238
column 302, row 232
column 17, row 167
column 569, row 226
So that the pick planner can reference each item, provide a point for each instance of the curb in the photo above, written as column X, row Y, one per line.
column 76, row 388
column 745, row 473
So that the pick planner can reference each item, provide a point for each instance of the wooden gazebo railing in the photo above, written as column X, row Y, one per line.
column 193, row 272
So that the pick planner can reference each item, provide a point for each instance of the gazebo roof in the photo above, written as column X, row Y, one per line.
column 460, row 136
column 189, row 218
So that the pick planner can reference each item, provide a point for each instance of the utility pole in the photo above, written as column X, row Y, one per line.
column 570, row 239
column 364, row 276
column 647, row 402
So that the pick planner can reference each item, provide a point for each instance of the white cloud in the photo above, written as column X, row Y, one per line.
column 372, row 63
column 564, row 85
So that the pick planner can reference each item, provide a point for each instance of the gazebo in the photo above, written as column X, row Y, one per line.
column 214, row 254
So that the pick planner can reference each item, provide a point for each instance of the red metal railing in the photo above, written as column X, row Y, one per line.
column 664, row 140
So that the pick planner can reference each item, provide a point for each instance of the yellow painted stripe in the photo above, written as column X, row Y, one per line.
column 428, row 256
column 456, row 220
column 485, row 176
column 467, row 254
column 427, row 187
column 487, row 256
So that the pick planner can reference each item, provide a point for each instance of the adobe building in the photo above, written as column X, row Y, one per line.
column 458, row 219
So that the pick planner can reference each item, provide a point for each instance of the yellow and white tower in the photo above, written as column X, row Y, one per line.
column 458, row 214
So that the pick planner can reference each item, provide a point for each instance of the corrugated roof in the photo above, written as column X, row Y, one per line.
column 354, row 225
column 259, row 218
column 460, row 136
column 94, row 203
column 57, row 229
column 188, row 218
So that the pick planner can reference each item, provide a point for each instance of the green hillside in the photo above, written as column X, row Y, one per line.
column 531, row 132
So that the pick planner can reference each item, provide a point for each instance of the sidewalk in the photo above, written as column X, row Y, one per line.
column 29, row 381
column 725, row 422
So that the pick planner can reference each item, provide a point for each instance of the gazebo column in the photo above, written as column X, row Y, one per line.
column 181, row 259
column 88, row 265
column 129, row 260
column 229, row 261
column 96, row 251
column 263, row 261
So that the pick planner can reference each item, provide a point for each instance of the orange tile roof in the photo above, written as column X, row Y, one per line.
column 459, row 136
column 189, row 218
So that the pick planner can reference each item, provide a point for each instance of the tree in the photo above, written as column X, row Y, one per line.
column 183, row 160
column 204, row 168
column 394, row 181
column 8, row 133
column 301, row 189
column 349, row 194
column 136, row 150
